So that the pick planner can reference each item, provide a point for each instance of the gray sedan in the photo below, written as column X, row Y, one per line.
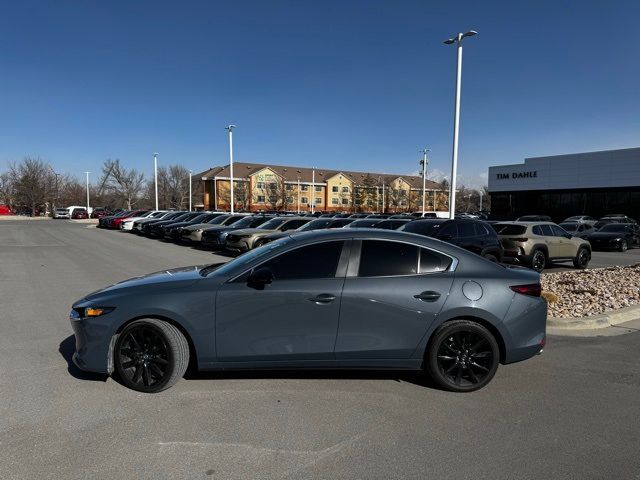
column 345, row 298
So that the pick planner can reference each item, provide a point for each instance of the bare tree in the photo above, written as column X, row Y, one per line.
column 7, row 190
column 34, row 181
column 126, row 184
column 173, row 186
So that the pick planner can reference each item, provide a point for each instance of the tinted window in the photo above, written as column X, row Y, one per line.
column 558, row 231
column 273, row 223
column 293, row 224
column 431, row 261
column 537, row 230
column 614, row 227
column 465, row 229
column 449, row 229
column 314, row 261
column 546, row 230
column 315, row 224
column 379, row 258
column 482, row 230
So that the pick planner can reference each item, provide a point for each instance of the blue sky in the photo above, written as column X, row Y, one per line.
column 353, row 84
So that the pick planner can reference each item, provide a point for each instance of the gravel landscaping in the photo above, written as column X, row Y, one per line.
column 582, row 293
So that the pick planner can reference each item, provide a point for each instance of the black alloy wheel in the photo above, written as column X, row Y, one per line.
column 150, row 355
column 538, row 261
column 582, row 258
column 463, row 356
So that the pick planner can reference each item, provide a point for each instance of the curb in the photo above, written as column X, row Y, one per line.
column 602, row 320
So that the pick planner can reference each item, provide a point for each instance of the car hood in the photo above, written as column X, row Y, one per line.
column 176, row 277
column 253, row 231
column 607, row 235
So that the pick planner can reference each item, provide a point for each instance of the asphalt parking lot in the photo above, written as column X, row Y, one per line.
column 569, row 413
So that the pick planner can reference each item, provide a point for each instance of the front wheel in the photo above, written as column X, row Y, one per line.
column 463, row 356
column 623, row 245
column 150, row 355
column 582, row 258
column 538, row 261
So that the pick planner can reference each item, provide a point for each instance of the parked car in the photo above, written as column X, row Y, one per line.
column 359, row 215
column 216, row 236
column 79, row 213
column 245, row 239
column 581, row 219
column 99, row 212
column 317, row 224
column 364, row 223
column 138, row 225
column 192, row 233
column 378, row 215
column 154, row 229
column 104, row 221
column 607, row 219
column 114, row 223
column 392, row 223
column 61, row 213
column 615, row 236
column 173, row 230
column 315, row 301
column 473, row 235
column 536, row 244
column 534, row 218
column 127, row 224
column 578, row 229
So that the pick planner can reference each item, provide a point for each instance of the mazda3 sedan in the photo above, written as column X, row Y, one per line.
column 343, row 298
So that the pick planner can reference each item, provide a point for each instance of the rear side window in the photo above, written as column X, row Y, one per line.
column 482, row 230
column 544, row 230
column 314, row 261
column 431, row 261
column 379, row 258
column 511, row 229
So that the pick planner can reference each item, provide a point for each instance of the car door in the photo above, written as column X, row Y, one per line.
column 468, row 238
column 552, row 242
column 567, row 247
column 392, row 294
column 295, row 317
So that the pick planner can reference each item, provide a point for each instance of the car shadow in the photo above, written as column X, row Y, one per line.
column 417, row 378
column 67, row 348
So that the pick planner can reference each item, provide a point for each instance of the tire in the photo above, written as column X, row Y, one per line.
column 491, row 257
column 150, row 355
column 623, row 245
column 538, row 261
column 450, row 360
column 582, row 258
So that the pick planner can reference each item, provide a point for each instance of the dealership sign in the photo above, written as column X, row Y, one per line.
column 516, row 175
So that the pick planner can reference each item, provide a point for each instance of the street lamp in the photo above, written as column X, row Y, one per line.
column 313, row 189
column 480, row 192
column 87, row 173
column 230, row 130
column 424, row 162
column 456, row 120
column 155, row 176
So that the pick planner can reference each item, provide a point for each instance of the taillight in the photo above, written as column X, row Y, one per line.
column 535, row 289
column 521, row 239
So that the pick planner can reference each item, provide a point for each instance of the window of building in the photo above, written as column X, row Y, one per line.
column 403, row 193
column 304, row 200
column 334, row 189
column 304, row 188
column 318, row 200
column 379, row 258
column 318, row 189
column 260, row 184
column 289, row 186
column 273, row 199
column 345, row 201
column 403, row 203
column 315, row 261
column 345, row 189
column 289, row 199
column 260, row 199
column 273, row 185
column 334, row 201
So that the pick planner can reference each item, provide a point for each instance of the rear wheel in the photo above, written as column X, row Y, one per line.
column 538, row 261
column 582, row 258
column 463, row 356
column 150, row 355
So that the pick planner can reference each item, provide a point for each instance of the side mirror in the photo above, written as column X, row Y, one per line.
column 259, row 278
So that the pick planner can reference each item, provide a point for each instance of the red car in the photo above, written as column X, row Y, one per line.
column 115, row 222
column 79, row 214
column 99, row 212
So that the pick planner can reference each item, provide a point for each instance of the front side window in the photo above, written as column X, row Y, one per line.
column 558, row 231
column 313, row 261
column 380, row 258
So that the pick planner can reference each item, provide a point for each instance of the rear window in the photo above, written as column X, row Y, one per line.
column 509, row 229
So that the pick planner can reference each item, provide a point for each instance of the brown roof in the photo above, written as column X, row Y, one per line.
column 291, row 174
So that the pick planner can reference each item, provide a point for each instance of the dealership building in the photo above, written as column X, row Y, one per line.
column 592, row 183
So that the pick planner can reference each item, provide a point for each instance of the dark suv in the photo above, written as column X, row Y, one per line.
column 473, row 235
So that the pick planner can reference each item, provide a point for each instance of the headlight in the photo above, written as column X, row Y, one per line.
column 616, row 239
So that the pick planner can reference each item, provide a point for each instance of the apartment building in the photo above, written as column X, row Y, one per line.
column 261, row 187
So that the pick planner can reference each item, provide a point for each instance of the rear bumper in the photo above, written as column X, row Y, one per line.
column 526, row 323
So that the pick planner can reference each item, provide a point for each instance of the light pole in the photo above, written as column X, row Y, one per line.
column 480, row 192
column 456, row 120
column 155, row 176
column 57, row 189
column 190, row 196
column 298, row 193
column 424, row 162
column 230, row 129
column 87, row 173
column 313, row 189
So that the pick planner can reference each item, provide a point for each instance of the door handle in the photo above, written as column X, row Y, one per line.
column 428, row 296
column 323, row 298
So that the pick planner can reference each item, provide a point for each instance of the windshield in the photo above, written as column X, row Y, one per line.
column 242, row 222
column 315, row 224
column 509, row 229
column 200, row 218
column 251, row 255
column 615, row 227
column 570, row 227
column 272, row 224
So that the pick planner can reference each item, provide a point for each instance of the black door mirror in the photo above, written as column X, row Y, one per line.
column 259, row 278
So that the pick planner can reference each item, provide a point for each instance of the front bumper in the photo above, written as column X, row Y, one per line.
column 94, row 344
column 241, row 245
